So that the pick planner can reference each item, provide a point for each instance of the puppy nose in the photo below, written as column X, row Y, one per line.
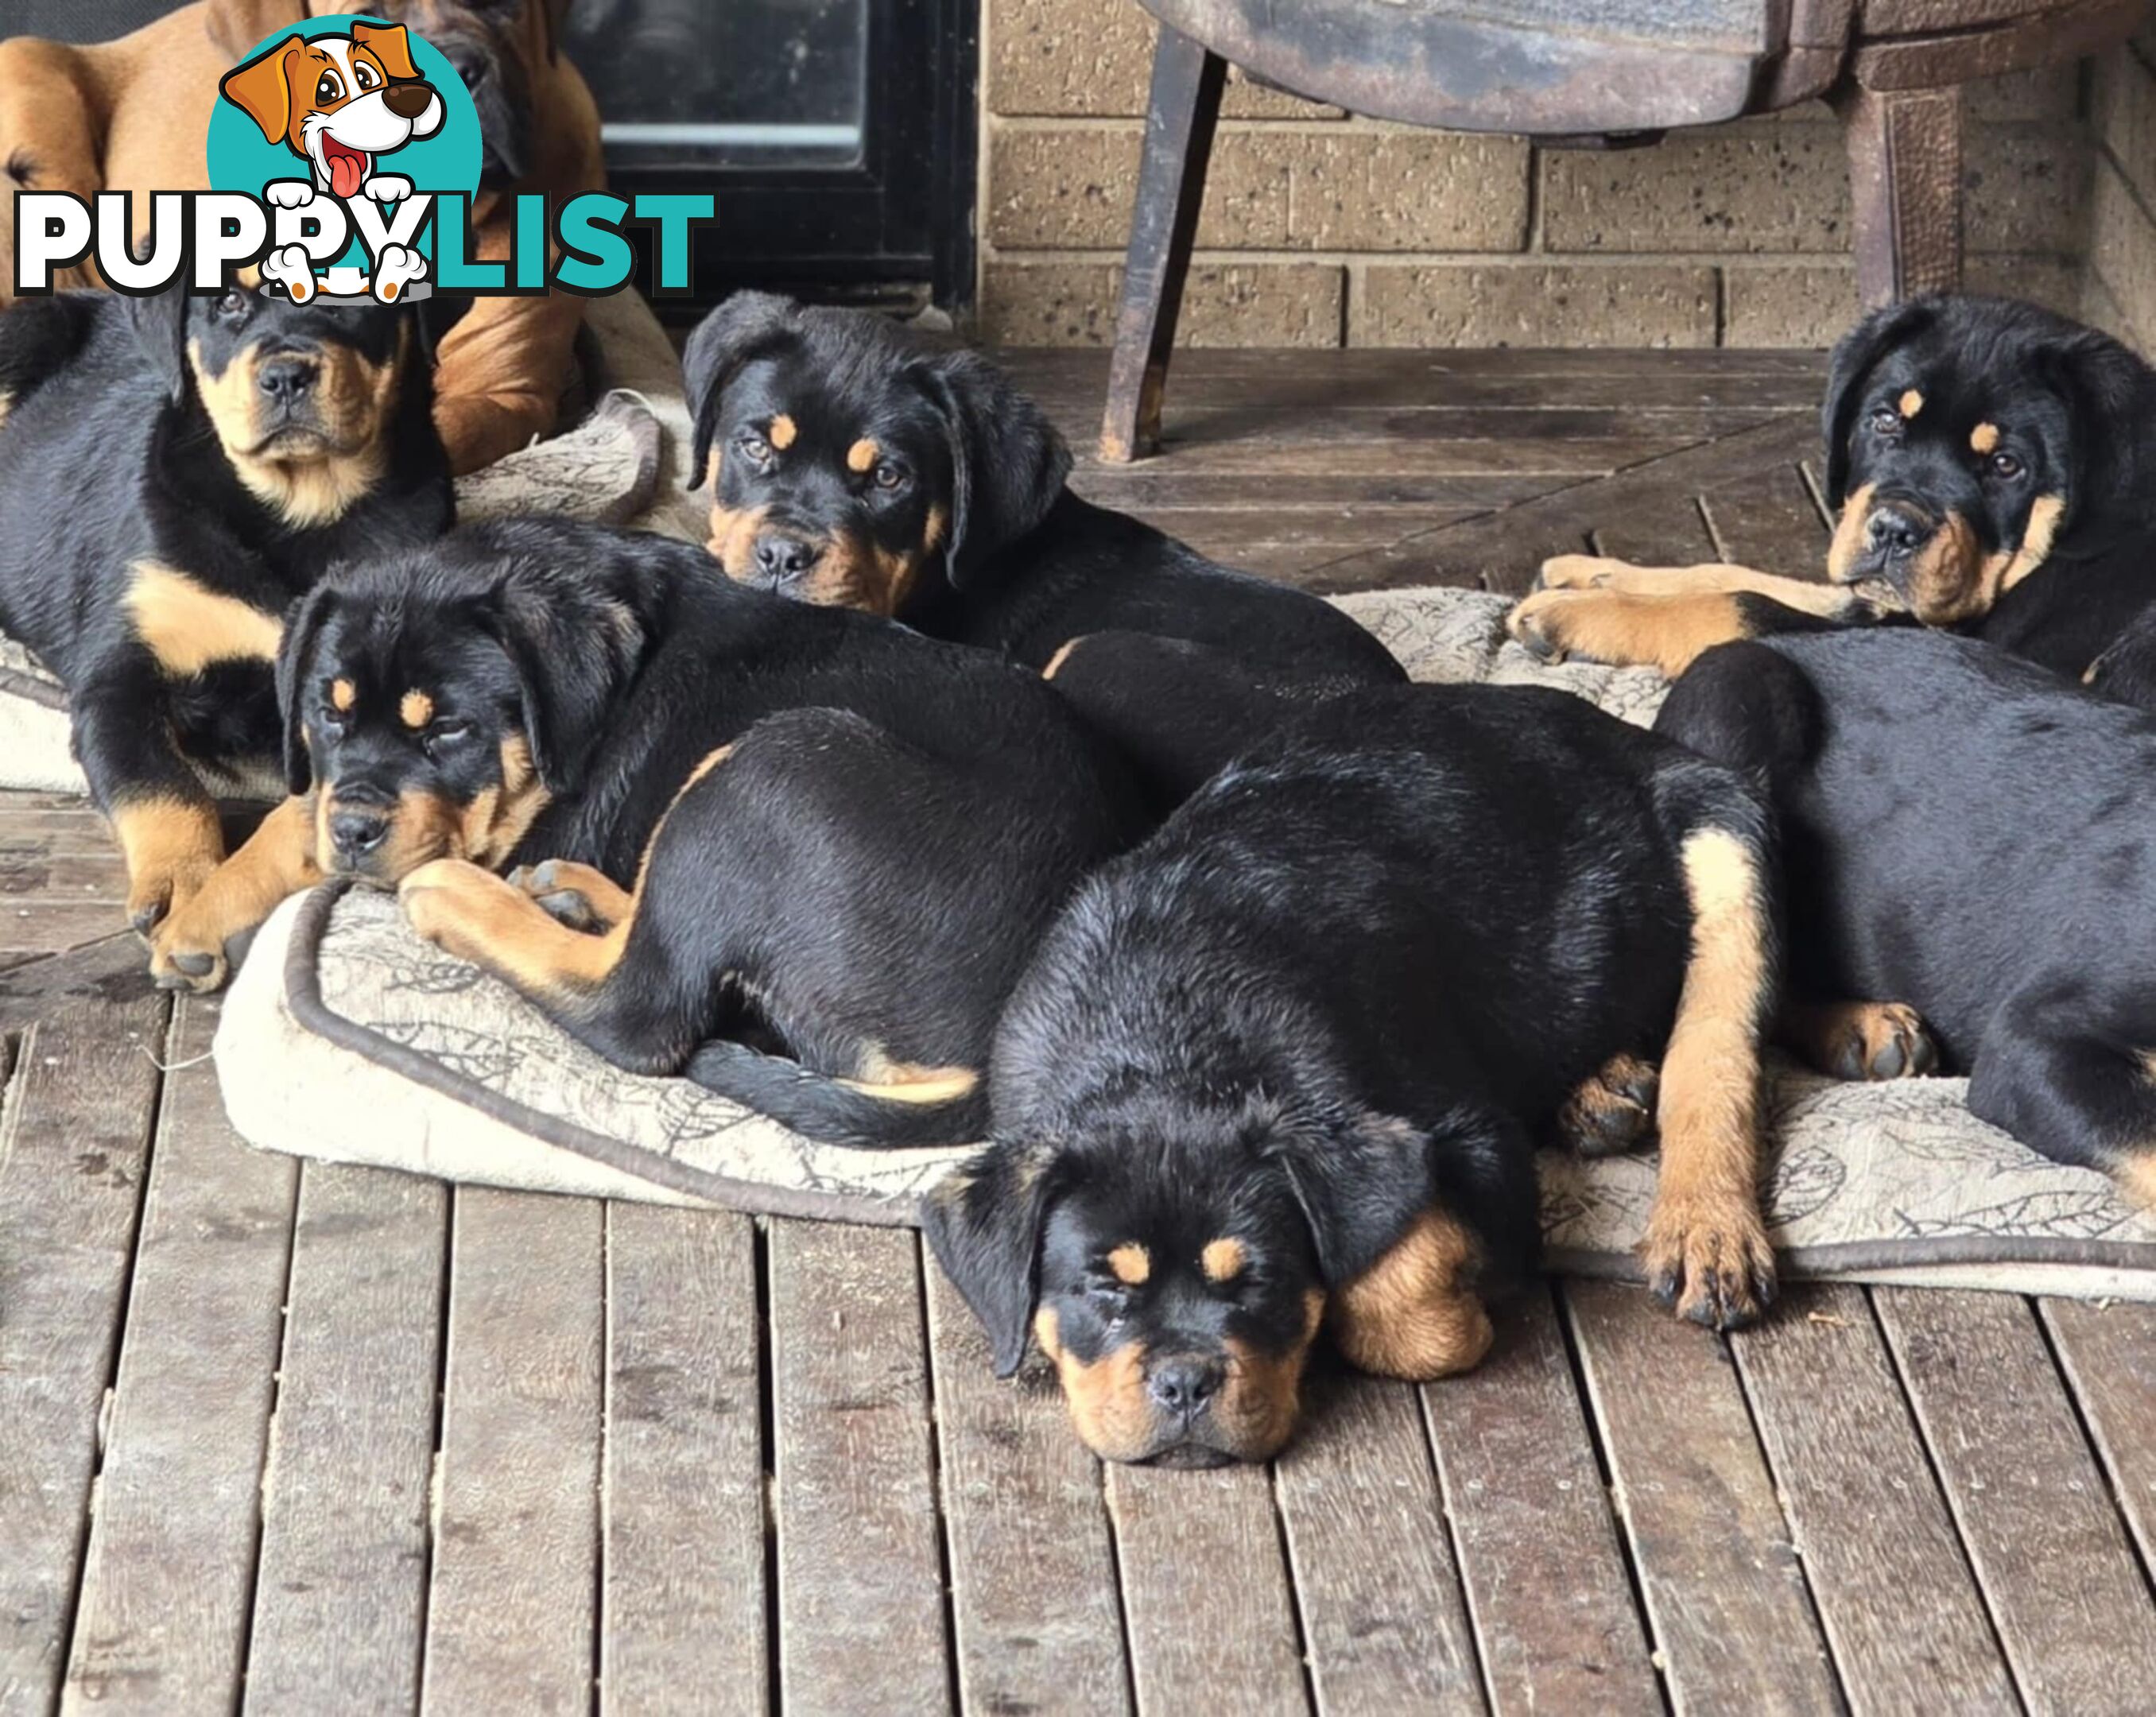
column 1896, row 531
column 784, row 556
column 355, row 833
column 407, row 100
column 1183, row 1383
column 286, row 380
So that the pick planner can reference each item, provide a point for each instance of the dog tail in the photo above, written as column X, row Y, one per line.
column 949, row 1109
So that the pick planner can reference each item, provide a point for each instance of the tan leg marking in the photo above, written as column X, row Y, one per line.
column 909, row 1082
column 1705, row 1245
column 1062, row 655
column 478, row 916
column 1848, row 544
column 2136, row 1176
column 187, row 626
column 276, row 861
column 1668, row 633
column 1613, row 1111
column 1410, row 1314
column 1807, row 596
column 1859, row 1040
column 170, row 847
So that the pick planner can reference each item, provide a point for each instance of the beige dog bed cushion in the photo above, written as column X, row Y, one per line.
column 346, row 1037
column 624, row 463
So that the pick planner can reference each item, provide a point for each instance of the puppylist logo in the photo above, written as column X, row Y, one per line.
column 344, row 155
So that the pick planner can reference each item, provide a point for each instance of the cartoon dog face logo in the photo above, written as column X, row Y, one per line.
column 339, row 102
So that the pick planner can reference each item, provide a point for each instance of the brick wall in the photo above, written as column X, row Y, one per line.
column 1321, row 229
column 2120, row 283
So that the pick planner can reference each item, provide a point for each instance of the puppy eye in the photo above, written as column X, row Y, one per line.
column 332, row 718
column 888, row 477
column 234, row 303
column 327, row 88
column 2005, row 465
column 362, row 74
column 447, row 733
column 753, row 446
column 1108, row 1298
column 1886, row 421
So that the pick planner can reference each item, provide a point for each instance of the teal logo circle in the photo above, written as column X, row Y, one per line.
column 244, row 158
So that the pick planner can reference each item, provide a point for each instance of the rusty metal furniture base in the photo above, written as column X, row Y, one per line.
column 1579, row 73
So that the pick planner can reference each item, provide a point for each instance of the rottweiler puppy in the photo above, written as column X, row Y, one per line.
column 1995, row 469
column 178, row 469
column 1285, row 1067
column 801, row 852
column 133, row 115
column 854, row 464
column 1964, row 844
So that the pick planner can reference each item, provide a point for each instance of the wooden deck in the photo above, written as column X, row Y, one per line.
column 315, row 1439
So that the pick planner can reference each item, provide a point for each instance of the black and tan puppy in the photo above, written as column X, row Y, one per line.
column 1995, row 469
column 1286, row 1066
column 855, row 464
column 1966, row 848
column 805, row 851
column 178, row 470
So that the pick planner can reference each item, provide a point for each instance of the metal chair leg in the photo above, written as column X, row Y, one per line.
column 1185, row 108
column 1904, row 186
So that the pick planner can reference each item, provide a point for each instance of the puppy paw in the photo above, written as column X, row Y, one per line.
column 176, row 964
column 1612, row 1112
column 395, row 269
column 1863, row 1041
column 577, row 896
column 288, row 193
column 1578, row 573
column 1546, row 622
column 292, row 269
column 388, row 188
column 154, row 895
column 1708, row 1260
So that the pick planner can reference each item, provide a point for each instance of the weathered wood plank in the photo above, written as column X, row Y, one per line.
column 2109, row 1355
column 341, row 1597
column 515, row 1597
column 113, row 971
column 73, row 1145
column 1725, row 1591
column 684, row 1627
column 1897, row 1599
column 1504, row 550
column 1034, row 1606
column 1555, row 1620
column 1159, row 485
column 1769, row 521
column 1383, row 1623
column 860, row 1579
column 1206, row 1606
column 2070, row 1602
column 168, row 1579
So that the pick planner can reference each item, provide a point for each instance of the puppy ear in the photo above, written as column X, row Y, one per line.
column 1360, row 1184
column 1854, row 355
column 2110, row 396
column 746, row 326
column 571, row 655
column 160, row 321
column 390, row 45
column 1007, row 464
column 984, row 1222
column 296, row 669
column 262, row 89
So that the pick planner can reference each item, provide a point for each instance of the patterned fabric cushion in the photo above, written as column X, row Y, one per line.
column 346, row 1037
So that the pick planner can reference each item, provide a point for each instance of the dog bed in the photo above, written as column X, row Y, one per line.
column 346, row 1037
column 624, row 463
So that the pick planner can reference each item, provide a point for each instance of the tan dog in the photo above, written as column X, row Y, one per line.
column 133, row 115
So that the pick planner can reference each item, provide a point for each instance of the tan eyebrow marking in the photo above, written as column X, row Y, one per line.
column 343, row 694
column 1910, row 404
column 1131, row 1264
column 417, row 709
column 1223, row 1259
column 783, row 432
column 862, row 455
column 1983, row 438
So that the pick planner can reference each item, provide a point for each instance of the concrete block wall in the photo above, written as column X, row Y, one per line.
column 2119, row 284
column 1322, row 229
